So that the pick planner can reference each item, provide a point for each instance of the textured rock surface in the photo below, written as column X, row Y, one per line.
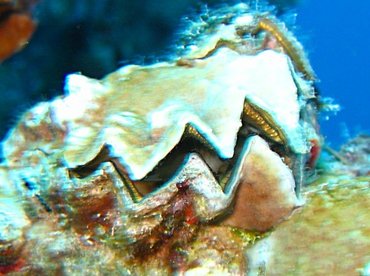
column 330, row 234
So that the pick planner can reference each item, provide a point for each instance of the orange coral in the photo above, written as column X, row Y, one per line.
column 16, row 28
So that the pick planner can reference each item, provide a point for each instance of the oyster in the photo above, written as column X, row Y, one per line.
column 136, row 164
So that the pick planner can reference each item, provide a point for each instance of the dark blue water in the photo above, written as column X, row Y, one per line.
column 337, row 35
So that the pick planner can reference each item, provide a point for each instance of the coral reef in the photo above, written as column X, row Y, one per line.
column 194, row 165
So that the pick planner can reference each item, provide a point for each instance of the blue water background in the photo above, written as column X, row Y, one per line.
column 336, row 35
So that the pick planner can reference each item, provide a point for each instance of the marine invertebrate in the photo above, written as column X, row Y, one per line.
column 16, row 26
column 135, row 164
